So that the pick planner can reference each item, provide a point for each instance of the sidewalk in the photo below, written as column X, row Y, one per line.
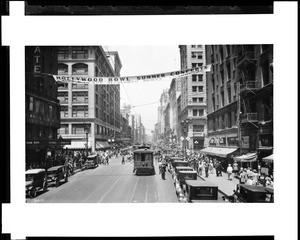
column 225, row 186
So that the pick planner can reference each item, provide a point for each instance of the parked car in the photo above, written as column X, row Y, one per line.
column 36, row 180
column 252, row 193
column 91, row 161
column 201, row 190
column 182, row 168
column 186, row 175
column 56, row 174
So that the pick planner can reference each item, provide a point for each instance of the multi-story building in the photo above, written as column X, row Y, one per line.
column 42, row 105
column 193, row 97
column 164, row 101
column 240, row 99
column 174, row 93
column 90, row 114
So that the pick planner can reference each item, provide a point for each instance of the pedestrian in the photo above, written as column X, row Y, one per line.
column 211, row 167
column 163, row 170
column 229, row 172
column 200, row 166
column 206, row 167
column 235, row 167
column 243, row 176
column 219, row 169
column 123, row 159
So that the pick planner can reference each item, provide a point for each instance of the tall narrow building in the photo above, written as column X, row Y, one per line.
column 193, row 98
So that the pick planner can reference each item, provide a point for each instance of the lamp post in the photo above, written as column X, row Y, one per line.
column 87, row 139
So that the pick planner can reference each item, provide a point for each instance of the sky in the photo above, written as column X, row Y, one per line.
column 143, row 60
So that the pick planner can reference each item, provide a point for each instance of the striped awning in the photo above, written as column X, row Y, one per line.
column 268, row 158
column 220, row 152
column 102, row 145
column 76, row 145
column 248, row 157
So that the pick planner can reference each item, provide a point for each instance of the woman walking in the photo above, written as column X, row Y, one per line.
column 229, row 172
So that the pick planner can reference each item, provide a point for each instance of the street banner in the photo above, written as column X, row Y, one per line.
column 131, row 79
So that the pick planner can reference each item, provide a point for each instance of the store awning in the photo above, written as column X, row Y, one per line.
column 268, row 158
column 102, row 145
column 248, row 157
column 76, row 145
column 220, row 152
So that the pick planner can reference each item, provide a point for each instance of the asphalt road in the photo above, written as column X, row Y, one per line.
column 113, row 183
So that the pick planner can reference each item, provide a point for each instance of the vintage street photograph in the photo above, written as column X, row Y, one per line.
column 149, row 124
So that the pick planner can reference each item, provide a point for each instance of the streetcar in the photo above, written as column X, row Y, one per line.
column 143, row 161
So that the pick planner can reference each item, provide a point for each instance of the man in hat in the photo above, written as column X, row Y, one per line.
column 229, row 172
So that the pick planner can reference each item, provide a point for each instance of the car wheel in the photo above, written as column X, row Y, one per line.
column 33, row 193
column 57, row 182
column 66, row 179
column 45, row 186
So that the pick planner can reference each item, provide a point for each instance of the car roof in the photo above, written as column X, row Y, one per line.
column 200, row 183
column 143, row 151
column 189, row 172
column 253, row 188
column 92, row 156
column 34, row 171
column 55, row 167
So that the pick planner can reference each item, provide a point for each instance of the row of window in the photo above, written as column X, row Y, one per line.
column 41, row 107
column 227, row 120
column 82, row 129
column 38, row 131
column 77, row 111
column 75, row 53
column 81, row 97
column 77, row 69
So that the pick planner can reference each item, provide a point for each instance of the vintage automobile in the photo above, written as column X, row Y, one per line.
column 182, row 168
column 201, row 190
column 179, row 163
column 173, row 159
column 186, row 175
column 252, row 193
column 36, row 180
column 143, row 162
column 91, row 161
column 56, row 174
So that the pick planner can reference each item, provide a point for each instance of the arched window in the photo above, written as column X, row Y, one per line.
column 62, row 69
column 80, row 69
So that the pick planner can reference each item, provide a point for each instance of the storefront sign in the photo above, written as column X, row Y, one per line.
column 37, row 62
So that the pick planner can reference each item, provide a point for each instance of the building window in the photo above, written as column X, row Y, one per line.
column 198, row 128
column 79, row 53
column 64, row 129
column 197, row 88
column 63, row 53
column 194, row 65
column 63, row 111
column 79, row 69
column 197, row 78
column 195, row 112
column 30, row 103
column 197, row 55
column 63, row 96
column 62, row 69
column 229, row 95
column 79, row 111
column 80, row 97
column 79, row 85
column 78, row 129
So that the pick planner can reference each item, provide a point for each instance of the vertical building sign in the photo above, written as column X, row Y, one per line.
column 37, row 62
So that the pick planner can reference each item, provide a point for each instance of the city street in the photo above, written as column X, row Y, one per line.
column 113, row 183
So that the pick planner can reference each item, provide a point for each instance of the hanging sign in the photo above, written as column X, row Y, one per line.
column 144, row 78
